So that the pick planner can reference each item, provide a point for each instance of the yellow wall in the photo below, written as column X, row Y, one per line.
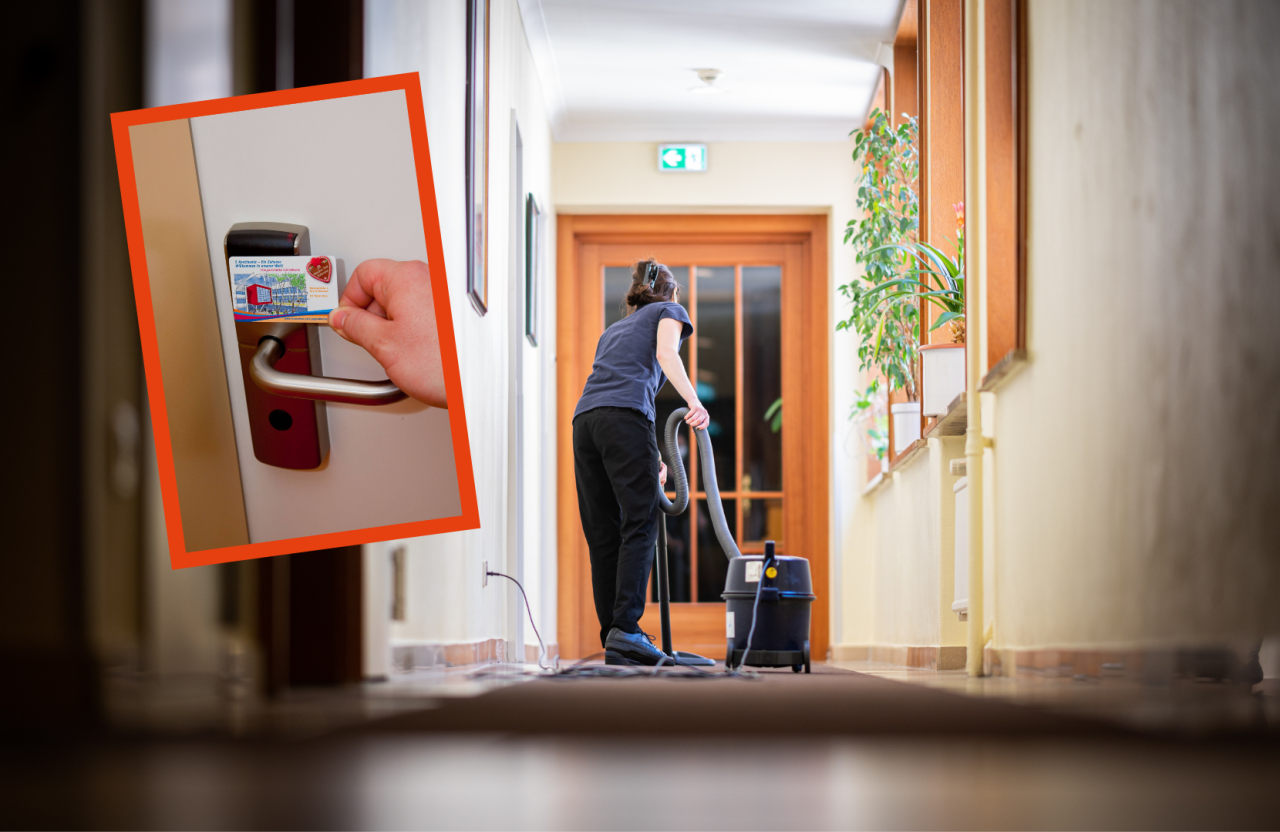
column 1137, row 459
column 898, row 550
column 1133, row 491
column 796, row 176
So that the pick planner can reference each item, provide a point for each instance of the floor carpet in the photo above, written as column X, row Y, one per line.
column 775, row 703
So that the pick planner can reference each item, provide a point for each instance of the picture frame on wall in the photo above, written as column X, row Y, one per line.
column 477, row 161
column 532, row 267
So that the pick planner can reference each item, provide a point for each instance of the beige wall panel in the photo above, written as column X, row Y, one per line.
column 1136, row 456
column 1132, row 488
column 195, row 381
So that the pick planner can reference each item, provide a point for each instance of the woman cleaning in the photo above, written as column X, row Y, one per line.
column 615, row 454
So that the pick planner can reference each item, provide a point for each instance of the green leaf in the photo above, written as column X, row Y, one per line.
column 888, row 284
column 946, row 317
column 941, row 261
column 774, row 415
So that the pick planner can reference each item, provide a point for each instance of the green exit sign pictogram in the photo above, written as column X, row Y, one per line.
column 684, row 158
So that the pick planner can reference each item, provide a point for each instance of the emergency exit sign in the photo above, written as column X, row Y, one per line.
column 685, row 158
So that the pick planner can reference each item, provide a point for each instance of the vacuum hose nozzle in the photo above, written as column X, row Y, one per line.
column 675, row 469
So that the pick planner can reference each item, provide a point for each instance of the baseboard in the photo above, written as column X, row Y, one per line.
column 1153, row 666
column 409, row 656
column 924, row 658
column 849, row 653
column 422, row 655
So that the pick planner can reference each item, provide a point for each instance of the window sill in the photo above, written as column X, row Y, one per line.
column 916, row 451
column 1005, row 369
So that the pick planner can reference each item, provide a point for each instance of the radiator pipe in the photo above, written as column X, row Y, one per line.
column 975, row 172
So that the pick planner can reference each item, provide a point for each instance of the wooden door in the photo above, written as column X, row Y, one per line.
column 756, row 290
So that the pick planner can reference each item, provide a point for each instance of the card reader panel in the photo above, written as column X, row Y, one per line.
column 287, row 432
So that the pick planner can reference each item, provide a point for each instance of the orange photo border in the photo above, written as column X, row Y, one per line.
column 407, row 83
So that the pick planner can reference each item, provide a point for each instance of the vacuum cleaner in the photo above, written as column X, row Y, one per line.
column 768, row 597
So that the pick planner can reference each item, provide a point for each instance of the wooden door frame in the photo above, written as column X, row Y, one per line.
column 807, row 440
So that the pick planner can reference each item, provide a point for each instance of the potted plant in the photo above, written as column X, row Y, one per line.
column 939, row 279
column 884, row 311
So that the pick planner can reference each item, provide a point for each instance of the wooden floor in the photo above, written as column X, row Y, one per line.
column 885, row 748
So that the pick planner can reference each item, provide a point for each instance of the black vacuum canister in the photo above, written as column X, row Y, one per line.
column 781, row 637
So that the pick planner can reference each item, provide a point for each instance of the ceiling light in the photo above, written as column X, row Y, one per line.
column 708, row 86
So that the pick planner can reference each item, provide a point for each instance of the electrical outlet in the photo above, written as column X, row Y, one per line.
column 484, row 577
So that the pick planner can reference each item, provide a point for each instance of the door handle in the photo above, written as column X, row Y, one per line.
column 316, row 388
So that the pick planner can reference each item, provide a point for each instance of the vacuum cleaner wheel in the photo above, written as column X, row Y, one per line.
column 796, row 668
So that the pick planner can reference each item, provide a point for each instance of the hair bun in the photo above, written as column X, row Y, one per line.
column 651, row 282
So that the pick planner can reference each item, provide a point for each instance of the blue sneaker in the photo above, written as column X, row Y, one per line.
column 632, row 648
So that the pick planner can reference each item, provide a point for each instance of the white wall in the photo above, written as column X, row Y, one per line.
column 759, row 177
column 1137, row 459
column 446, row 603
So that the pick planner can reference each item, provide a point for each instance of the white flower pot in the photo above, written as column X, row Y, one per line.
column 943, row 366
column 906, row 425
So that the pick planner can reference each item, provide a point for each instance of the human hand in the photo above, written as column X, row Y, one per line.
column 697, row 417
column 662, row 473
column 388, row 309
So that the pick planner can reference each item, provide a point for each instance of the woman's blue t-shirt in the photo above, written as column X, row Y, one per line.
column 626, row 371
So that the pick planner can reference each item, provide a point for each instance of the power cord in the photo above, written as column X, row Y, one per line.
column 542, row 648
column 581, row 669
column 755, row 605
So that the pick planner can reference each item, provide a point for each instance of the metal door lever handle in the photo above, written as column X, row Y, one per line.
column 319, row 388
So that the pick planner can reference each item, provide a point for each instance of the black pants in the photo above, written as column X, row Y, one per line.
column 615, row 462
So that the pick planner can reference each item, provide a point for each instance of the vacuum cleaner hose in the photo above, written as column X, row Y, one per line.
column 675, row 469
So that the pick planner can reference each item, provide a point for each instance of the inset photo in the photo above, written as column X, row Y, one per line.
column 295, row 320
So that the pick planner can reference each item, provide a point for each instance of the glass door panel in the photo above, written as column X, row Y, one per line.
column 761, row 521
column 717, row 367
column 680, row 560
column 617, row 280
column 713, row 566
column 762, row 378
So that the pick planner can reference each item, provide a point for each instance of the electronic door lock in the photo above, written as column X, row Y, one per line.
column 285, row 390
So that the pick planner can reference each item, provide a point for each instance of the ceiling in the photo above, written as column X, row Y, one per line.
column 793, row 70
